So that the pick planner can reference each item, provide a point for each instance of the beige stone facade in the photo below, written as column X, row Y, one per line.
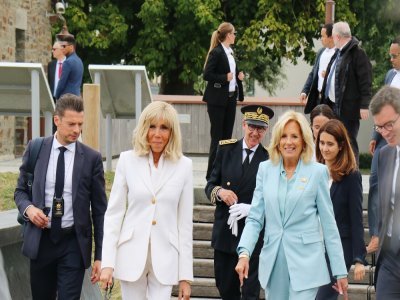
column 25, row 36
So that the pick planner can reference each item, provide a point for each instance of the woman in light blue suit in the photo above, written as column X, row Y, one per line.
column 292, row 198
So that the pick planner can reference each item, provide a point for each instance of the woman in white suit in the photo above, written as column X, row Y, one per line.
column 147, row 242
column 292, row 197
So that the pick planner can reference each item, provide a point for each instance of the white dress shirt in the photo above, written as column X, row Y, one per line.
column 232, row 66
column 69, row 157
column 56, row 77
column 324, row 60
column 244, row 153
column 396, row 80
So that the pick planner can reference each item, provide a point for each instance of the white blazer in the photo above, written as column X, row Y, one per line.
column 139, row 215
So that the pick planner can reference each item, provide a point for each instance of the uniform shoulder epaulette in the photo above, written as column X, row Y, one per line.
column 227, row 142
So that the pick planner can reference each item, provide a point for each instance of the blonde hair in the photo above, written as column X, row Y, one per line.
column 218, row 36
column 277, row 131
column 156, row 111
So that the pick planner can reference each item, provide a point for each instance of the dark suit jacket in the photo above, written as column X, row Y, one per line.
column 88, row 198
column 51, row 73
column 215, row 71
column 311, row 86
column 347, row 197
column 386, row 164
column 227, row 173
column 71, row 76
column 353, row 81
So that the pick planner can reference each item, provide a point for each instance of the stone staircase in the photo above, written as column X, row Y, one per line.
column 204, row 287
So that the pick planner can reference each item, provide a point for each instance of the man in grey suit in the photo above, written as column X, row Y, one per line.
column 392, row 79
column 385, row 108
column 68, row 200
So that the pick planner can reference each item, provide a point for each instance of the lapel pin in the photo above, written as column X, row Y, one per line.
column 303, row 179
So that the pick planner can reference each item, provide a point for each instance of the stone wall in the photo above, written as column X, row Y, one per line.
column 25, row 36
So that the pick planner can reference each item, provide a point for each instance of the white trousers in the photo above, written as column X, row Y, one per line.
column 147, row 287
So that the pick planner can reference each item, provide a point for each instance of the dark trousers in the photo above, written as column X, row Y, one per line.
column 58, row 271
column 227, row 280
column 326, row 292
column 353, row 126
column 388, row 274
column 222, row 119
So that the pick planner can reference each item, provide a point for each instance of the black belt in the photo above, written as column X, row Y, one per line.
column 231, row 94
column 65, row 231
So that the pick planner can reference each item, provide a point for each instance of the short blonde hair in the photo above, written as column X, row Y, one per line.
column 277, row 131
column 158, row 110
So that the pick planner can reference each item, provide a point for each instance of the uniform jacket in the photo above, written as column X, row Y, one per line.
column 347, row 200
column 88, row 198
column 306, row 213
column 227, row 173
column 311, row 86
column 217, row 89
column 139, row 214
column 71, row 76
column 353, row 81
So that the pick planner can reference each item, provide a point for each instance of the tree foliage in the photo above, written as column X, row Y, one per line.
column 171, row 37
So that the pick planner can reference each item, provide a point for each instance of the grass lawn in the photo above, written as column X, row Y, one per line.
column 8, row 182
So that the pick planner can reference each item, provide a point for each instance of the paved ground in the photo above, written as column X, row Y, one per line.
column 199, row 170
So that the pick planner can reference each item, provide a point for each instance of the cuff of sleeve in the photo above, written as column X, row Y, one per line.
column 341, row 276
column 24, row 214
column 214, row 195
column 359, row 260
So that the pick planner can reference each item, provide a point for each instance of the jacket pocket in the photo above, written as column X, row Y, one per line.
column 311, row 237
column 173, row 239
column 125, row 236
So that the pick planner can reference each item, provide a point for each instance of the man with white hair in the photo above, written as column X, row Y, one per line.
column 347, row 85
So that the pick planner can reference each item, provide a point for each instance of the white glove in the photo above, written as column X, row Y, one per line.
column 233, row 225
column 240, row 210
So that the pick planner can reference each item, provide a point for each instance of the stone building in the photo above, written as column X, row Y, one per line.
column 25, row 36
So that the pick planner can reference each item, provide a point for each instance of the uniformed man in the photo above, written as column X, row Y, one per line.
column 230, row 187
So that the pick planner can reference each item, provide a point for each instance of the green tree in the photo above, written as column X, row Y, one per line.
column 171, row 37
column 378, row 23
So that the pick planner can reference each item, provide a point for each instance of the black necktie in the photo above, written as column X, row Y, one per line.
column 395, row 240
column 55, row 233
column 246, row 162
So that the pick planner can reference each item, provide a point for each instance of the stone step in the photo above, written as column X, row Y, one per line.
column 205, row 268
column 204, row 288
column 202, row 249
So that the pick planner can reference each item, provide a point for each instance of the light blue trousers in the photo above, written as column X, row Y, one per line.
column 279, row 287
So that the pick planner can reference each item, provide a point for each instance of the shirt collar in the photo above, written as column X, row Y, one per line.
column 227, row 50
column 244, row 146
column 56, row 144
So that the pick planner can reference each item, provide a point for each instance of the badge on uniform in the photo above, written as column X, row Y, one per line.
column 58, row 207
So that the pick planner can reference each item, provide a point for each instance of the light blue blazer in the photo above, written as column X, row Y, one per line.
column 299, row 231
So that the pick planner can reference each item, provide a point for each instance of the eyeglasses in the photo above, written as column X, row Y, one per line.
column 260, row 129
column 388, row 126
column 394, row 56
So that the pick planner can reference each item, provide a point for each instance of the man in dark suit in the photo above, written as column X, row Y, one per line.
column 68, row 198
column 311, row 91
column 385, row 108
column 230, row 187
column 392, row 79
column 348, row 82
column 71, row 77
column 54, row 68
